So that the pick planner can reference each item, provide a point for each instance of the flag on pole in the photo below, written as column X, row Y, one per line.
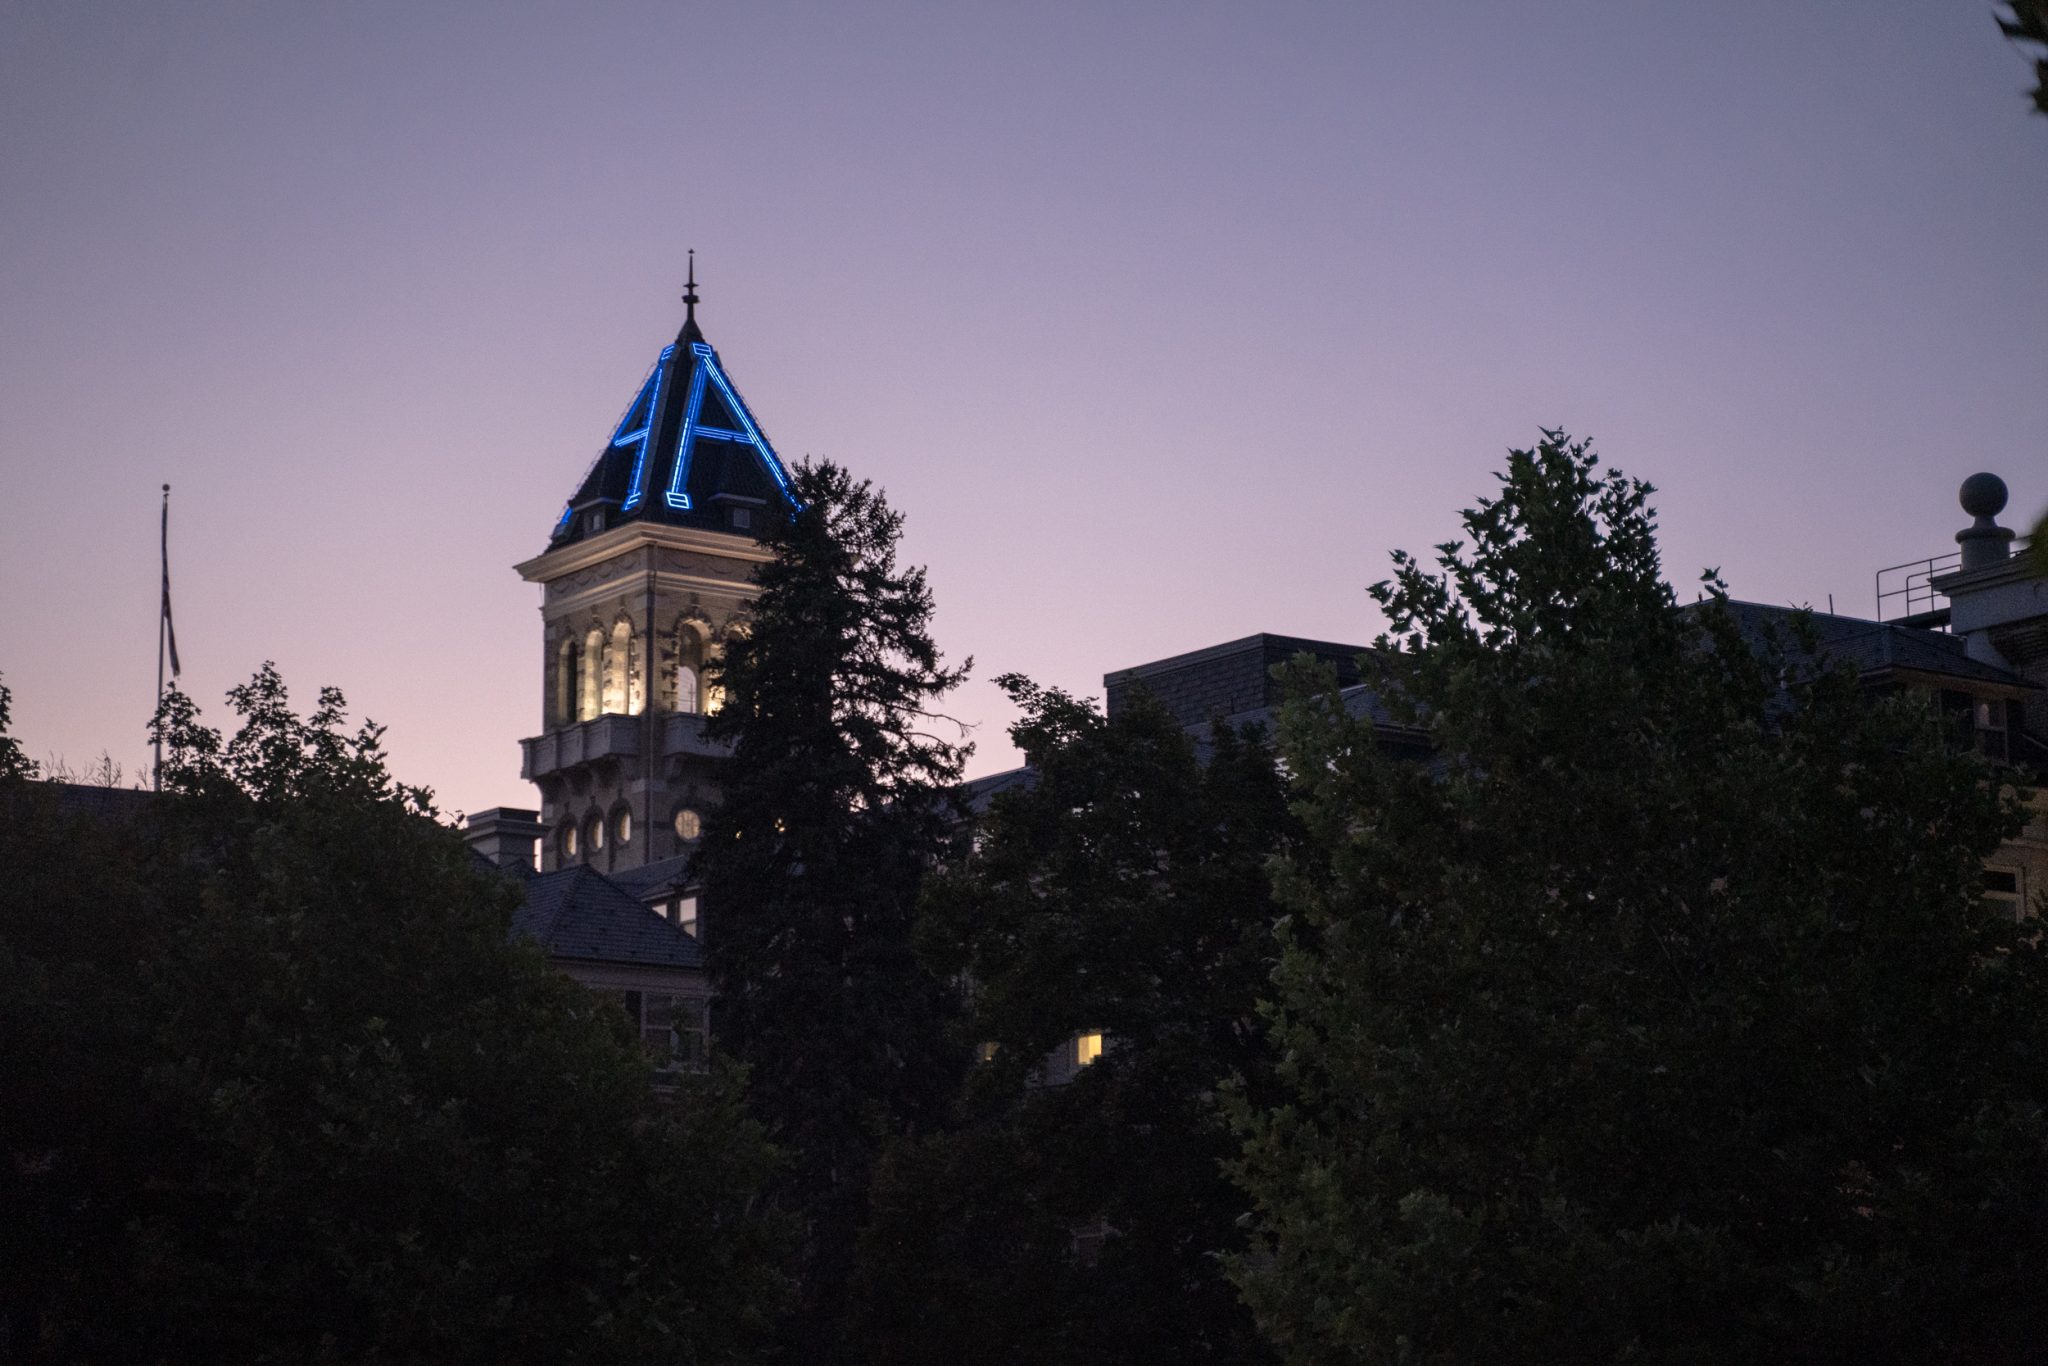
column 170, row 631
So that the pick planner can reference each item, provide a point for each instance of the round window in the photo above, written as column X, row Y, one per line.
column 689, row 825
column 622, row 827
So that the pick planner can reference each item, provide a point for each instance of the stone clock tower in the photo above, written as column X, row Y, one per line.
column 646, row 575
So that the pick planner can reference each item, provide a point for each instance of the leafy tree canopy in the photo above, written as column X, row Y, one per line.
column 1657, row 1019
column 1121, row 891
column 280, row 1089
column 2026, row 23
column 836, row 800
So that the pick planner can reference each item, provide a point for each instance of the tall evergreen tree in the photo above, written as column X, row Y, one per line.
column 1121, row 893
column 836, row 799
column 1657, row 1020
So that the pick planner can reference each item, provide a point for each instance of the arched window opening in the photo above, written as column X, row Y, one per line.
column 589, row 695
column 636, row 675
column 565, row 683
column 570, row 843
column 593, row 834
column 689, row 669
column 618, row 671
column 622, row 826
column 714, row 693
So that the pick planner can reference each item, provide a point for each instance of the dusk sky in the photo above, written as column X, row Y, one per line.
column 1162, row 324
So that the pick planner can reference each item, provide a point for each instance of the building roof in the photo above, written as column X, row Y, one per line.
column 687, row 452
column 978, row 794
column 578, row 913
column 112, row 805
column 662, row 875
column 1876, row 647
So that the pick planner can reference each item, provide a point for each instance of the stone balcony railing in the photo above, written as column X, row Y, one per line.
column 586, row 742
column 614, row 738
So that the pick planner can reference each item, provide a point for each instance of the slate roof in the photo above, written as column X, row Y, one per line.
column 978, row 794
column 579, row 913
column 659, row 876
column 1876, row 646
column 687, row 412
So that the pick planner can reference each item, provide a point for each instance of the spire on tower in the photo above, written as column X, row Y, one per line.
column 690, row 332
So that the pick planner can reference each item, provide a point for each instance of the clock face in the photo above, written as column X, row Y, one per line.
column 689, row 825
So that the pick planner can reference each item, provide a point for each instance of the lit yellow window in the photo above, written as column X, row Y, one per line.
column 1087, row 1047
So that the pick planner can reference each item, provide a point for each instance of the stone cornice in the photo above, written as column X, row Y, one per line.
column 553, row 564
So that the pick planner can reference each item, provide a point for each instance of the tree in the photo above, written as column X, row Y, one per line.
column 1657, row 1018
column 1123, row 892
column 2026, row 22
column 835, row 800
column 15, row 765
column 281, row 1089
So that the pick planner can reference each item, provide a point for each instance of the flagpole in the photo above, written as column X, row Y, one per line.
column 162, row 621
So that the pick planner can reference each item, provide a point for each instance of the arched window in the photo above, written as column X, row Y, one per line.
column 570, row 843
column 565, row 683
column 636, row 674
column 589, row 692
column 714, row 694
column 593, row 834
column 689, row 668
column 622, row 826
column 618, row 671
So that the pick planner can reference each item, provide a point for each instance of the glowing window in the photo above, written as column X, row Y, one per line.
column 686, row 914
column 569, row 841
column 622, row 827
column 2005, row 893
column 589, row 682
column 689, row 669
column 689, row 825
column 1087, row 1047
column 596, row 835
column 621, row 682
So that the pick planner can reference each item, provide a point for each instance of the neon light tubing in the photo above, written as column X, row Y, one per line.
column 707, row 364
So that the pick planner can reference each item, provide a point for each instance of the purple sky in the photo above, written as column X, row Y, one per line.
column 1162, row 323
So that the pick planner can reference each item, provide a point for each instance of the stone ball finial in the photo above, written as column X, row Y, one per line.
column 1982, row 495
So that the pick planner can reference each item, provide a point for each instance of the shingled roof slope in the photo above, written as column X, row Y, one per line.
column 579, row 913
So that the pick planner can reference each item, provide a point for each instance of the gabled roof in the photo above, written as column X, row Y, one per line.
column 580, row 914
column 687, row 451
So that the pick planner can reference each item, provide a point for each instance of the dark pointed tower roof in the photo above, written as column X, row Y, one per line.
column 687, row 452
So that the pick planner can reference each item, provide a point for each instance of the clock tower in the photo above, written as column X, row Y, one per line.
column 646, row 575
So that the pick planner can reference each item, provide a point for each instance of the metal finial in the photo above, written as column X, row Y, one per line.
column 690, row 290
